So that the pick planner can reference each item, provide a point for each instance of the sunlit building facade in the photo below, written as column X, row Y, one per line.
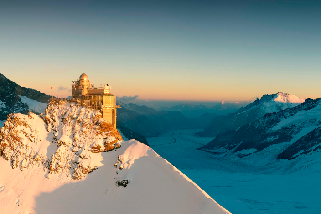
column 95, row 97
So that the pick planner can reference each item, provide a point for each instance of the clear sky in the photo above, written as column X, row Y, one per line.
column 171, row 50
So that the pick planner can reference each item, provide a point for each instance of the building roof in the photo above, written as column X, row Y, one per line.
column 83, row 76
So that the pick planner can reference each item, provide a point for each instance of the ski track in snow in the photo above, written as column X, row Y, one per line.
column 238, row 187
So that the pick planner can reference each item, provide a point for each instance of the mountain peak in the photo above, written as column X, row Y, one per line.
column 293, row 133
column 268, row 103
column 273, row 102
column 287, row 98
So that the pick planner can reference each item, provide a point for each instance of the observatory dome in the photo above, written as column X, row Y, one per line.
column 83, row 77
column 84, row 80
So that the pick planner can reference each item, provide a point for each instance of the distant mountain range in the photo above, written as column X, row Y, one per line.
column 291, row 134
column 192, row 110
column 266, row 104
column 151, row 123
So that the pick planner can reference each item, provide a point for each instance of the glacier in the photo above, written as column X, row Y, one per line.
column 245, row 187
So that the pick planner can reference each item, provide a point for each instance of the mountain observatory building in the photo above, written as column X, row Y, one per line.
column 95, row 97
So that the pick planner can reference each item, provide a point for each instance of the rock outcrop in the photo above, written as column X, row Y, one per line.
column 65, row 139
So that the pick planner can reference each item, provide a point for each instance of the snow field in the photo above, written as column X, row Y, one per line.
column 155, row 186
column 246, row 185
column 34, row 105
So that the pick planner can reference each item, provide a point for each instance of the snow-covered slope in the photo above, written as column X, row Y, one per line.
column 287, row 138
column 66, row 139
column 278, row 102
column 14, row 98
column 33, row 105
column 287, row 98
column 260, row 107
column 46, row 160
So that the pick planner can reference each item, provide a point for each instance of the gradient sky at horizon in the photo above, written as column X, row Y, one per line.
column 165, row 50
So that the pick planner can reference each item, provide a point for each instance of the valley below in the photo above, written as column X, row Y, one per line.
column 241, row 187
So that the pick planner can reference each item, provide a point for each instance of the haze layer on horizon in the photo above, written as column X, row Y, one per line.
column 165, row 50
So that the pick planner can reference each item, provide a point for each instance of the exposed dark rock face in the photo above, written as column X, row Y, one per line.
column 308, row 143
column 299, row 126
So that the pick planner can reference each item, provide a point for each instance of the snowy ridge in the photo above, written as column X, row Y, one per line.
column 289, row 140
column 51, row 155
column 66, row 139
column 281, row 101
column 268, row 103
column 287, row 98
column 273, row 103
